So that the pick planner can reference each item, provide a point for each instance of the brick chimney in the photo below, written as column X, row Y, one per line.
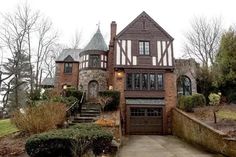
column 113, row 31
column 110, row 67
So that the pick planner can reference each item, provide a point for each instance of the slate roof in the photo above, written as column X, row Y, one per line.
column 48, row 82
column 74, row 53
column 96, row 43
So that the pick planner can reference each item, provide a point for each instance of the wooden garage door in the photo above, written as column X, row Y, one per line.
column 142, row 120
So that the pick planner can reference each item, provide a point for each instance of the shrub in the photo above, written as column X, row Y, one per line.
column 40, row 118
column 35, row 95
column 232, row 97
column 70, row 142
column 214, row 99
column 49, row 94
column 186, row 103
column 115, row 95
column 73, row 92
column 198, row 100
column 68, row 101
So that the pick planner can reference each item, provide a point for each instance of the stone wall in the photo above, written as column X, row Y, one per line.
column 197, row 132
column 187, row 67
column 93, row 75
column 170, row 99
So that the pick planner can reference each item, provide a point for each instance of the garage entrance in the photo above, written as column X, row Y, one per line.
column 144, row 120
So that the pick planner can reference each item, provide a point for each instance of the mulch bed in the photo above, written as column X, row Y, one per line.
column 227, row 126
column 12, row 145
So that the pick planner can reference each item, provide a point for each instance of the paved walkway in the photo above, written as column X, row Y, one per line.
column 159, row 146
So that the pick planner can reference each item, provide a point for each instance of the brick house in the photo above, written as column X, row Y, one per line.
column 139, row 62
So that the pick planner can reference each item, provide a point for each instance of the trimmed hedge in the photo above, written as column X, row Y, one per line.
column 198, row 100
column 114, row 104
column 187, row 103
column 70, row 142
column 232, row 97
column 73, row 92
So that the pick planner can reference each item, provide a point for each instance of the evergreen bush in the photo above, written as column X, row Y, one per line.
column 74, row 141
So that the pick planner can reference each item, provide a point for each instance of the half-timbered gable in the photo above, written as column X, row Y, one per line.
column 144, row 43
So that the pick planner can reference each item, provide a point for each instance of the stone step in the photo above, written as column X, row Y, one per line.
column 89, row 114
column 84, row 119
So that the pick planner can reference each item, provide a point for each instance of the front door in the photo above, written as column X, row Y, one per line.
column 92, row 90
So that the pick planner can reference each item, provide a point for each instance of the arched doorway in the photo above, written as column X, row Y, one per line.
column 184, row 85
column 92, row 90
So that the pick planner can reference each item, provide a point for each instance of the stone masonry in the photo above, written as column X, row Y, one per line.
column 93, row 75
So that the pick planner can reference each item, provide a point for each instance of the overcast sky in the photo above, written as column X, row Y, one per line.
column 173, row 15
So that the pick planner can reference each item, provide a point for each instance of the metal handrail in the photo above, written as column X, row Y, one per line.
column 76, row 103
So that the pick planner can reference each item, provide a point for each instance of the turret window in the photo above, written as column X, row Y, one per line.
column 94, row 61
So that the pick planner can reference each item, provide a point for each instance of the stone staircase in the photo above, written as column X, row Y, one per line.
column 90, row 112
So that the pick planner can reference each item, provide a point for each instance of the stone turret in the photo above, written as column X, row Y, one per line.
column 93, row 66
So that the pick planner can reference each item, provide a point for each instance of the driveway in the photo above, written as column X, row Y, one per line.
column 160, row 146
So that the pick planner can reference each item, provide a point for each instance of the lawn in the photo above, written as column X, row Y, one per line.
column 226, row 114
column 6, row 127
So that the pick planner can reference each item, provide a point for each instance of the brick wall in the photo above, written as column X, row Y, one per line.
column 70, row 79
column 170, row 99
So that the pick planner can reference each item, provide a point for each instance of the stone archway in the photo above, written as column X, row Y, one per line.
column 92, row 90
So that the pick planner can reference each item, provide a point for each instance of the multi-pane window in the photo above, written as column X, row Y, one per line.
column 144, row 81
column 152, row 82
column 160, row 81
column 184, row 85
column 137, row 112
column 94, row 61
column 137, row 81
column 68, row 68
column 129, row 81
column 144, row 47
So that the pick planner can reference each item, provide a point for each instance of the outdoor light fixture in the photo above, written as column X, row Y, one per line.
column 119, row 74
column 65, row 87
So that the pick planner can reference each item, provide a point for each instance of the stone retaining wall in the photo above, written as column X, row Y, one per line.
column 197, row 132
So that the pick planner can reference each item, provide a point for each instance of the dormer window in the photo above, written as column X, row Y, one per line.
column 144, row 47
column 68, row 68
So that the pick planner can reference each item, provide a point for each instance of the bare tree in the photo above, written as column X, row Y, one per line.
column 49, row 61
column 76, row 40
column 26, row 37
column 46, row 40
column 202, row 41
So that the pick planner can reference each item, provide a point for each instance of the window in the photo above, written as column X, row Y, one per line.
column 94, row 61
column 144, row 81
column 160, row 81
column 68, row 68
column 154, row 112
column 152, row 81
column 184, row 85
column 144, row 48
column 129, row 81
column 136, row 81
column 137, row 112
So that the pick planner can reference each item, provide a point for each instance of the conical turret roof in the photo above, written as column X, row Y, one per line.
column 96, row 43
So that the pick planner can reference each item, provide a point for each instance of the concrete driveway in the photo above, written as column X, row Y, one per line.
column 159, row 146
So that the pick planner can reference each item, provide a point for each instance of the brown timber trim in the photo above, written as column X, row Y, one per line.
column 122, row 50
column 165, row 51
column 144, row 93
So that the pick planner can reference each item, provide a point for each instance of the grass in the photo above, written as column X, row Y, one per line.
column 6, row 127
column 226, row 114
